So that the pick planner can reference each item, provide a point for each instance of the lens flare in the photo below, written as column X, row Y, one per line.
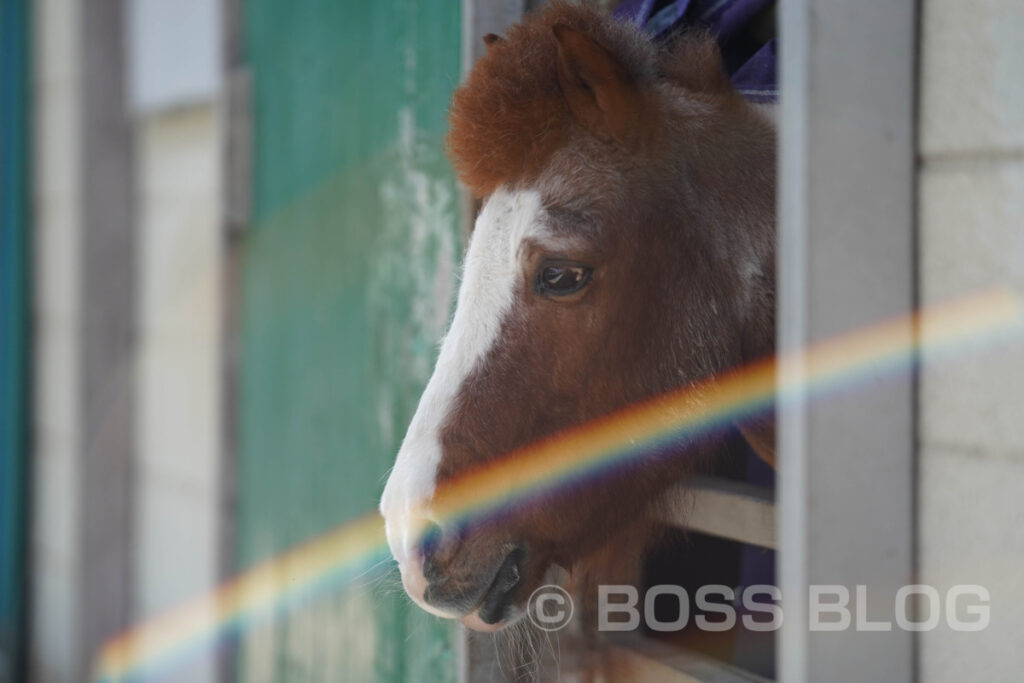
column 568, row 458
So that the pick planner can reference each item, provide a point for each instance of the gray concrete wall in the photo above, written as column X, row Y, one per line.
column 971, row 420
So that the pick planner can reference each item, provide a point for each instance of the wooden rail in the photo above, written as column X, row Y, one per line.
column 638, row 658
column 724, row 508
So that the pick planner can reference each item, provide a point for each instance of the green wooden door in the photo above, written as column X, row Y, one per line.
column 348, row 271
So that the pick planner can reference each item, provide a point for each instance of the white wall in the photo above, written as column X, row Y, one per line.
column 54, row 550
column 174, row 68
column 971, row 423
column 174, row 53
column 178, row 447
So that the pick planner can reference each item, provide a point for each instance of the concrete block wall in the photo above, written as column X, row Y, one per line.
column 971, row 420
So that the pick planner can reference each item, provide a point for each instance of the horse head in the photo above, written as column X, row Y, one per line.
column 624, row 249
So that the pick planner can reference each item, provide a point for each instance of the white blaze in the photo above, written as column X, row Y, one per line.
column 486, row 296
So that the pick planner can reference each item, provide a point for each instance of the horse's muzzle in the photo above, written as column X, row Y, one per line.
column 477, row 578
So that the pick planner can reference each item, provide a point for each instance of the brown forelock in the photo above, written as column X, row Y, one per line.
column 510, row 115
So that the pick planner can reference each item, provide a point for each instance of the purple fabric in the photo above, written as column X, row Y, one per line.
column 751, row 66
column 756, row 77
column 637, row 11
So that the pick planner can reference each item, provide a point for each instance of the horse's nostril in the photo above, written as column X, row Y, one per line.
column 428, row 545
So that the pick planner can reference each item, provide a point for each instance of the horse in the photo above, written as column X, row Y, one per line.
column 624, row 249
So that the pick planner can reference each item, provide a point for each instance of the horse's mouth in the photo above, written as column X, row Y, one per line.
column 494, row 609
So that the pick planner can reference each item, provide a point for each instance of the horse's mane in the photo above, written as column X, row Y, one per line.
column 510, row 114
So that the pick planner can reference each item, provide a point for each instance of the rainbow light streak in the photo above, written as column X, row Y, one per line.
column 565, row 459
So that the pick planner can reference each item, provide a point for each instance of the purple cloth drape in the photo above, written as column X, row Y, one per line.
column 751, row 64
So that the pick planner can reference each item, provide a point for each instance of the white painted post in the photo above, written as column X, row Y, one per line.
column 846, row 259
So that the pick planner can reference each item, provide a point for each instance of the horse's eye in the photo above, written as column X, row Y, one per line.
column 557, row 279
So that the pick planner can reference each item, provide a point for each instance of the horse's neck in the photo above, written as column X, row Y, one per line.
column 739, row 209
column 770, row 111
column 758, row 231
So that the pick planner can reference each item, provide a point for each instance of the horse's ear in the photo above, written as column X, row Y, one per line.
column 599, row 90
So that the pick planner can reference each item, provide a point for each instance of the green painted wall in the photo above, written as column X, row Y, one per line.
column 348, row 270
column 14, row 332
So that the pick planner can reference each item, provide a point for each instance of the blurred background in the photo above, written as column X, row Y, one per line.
column 234, row 226
column 230, row 239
